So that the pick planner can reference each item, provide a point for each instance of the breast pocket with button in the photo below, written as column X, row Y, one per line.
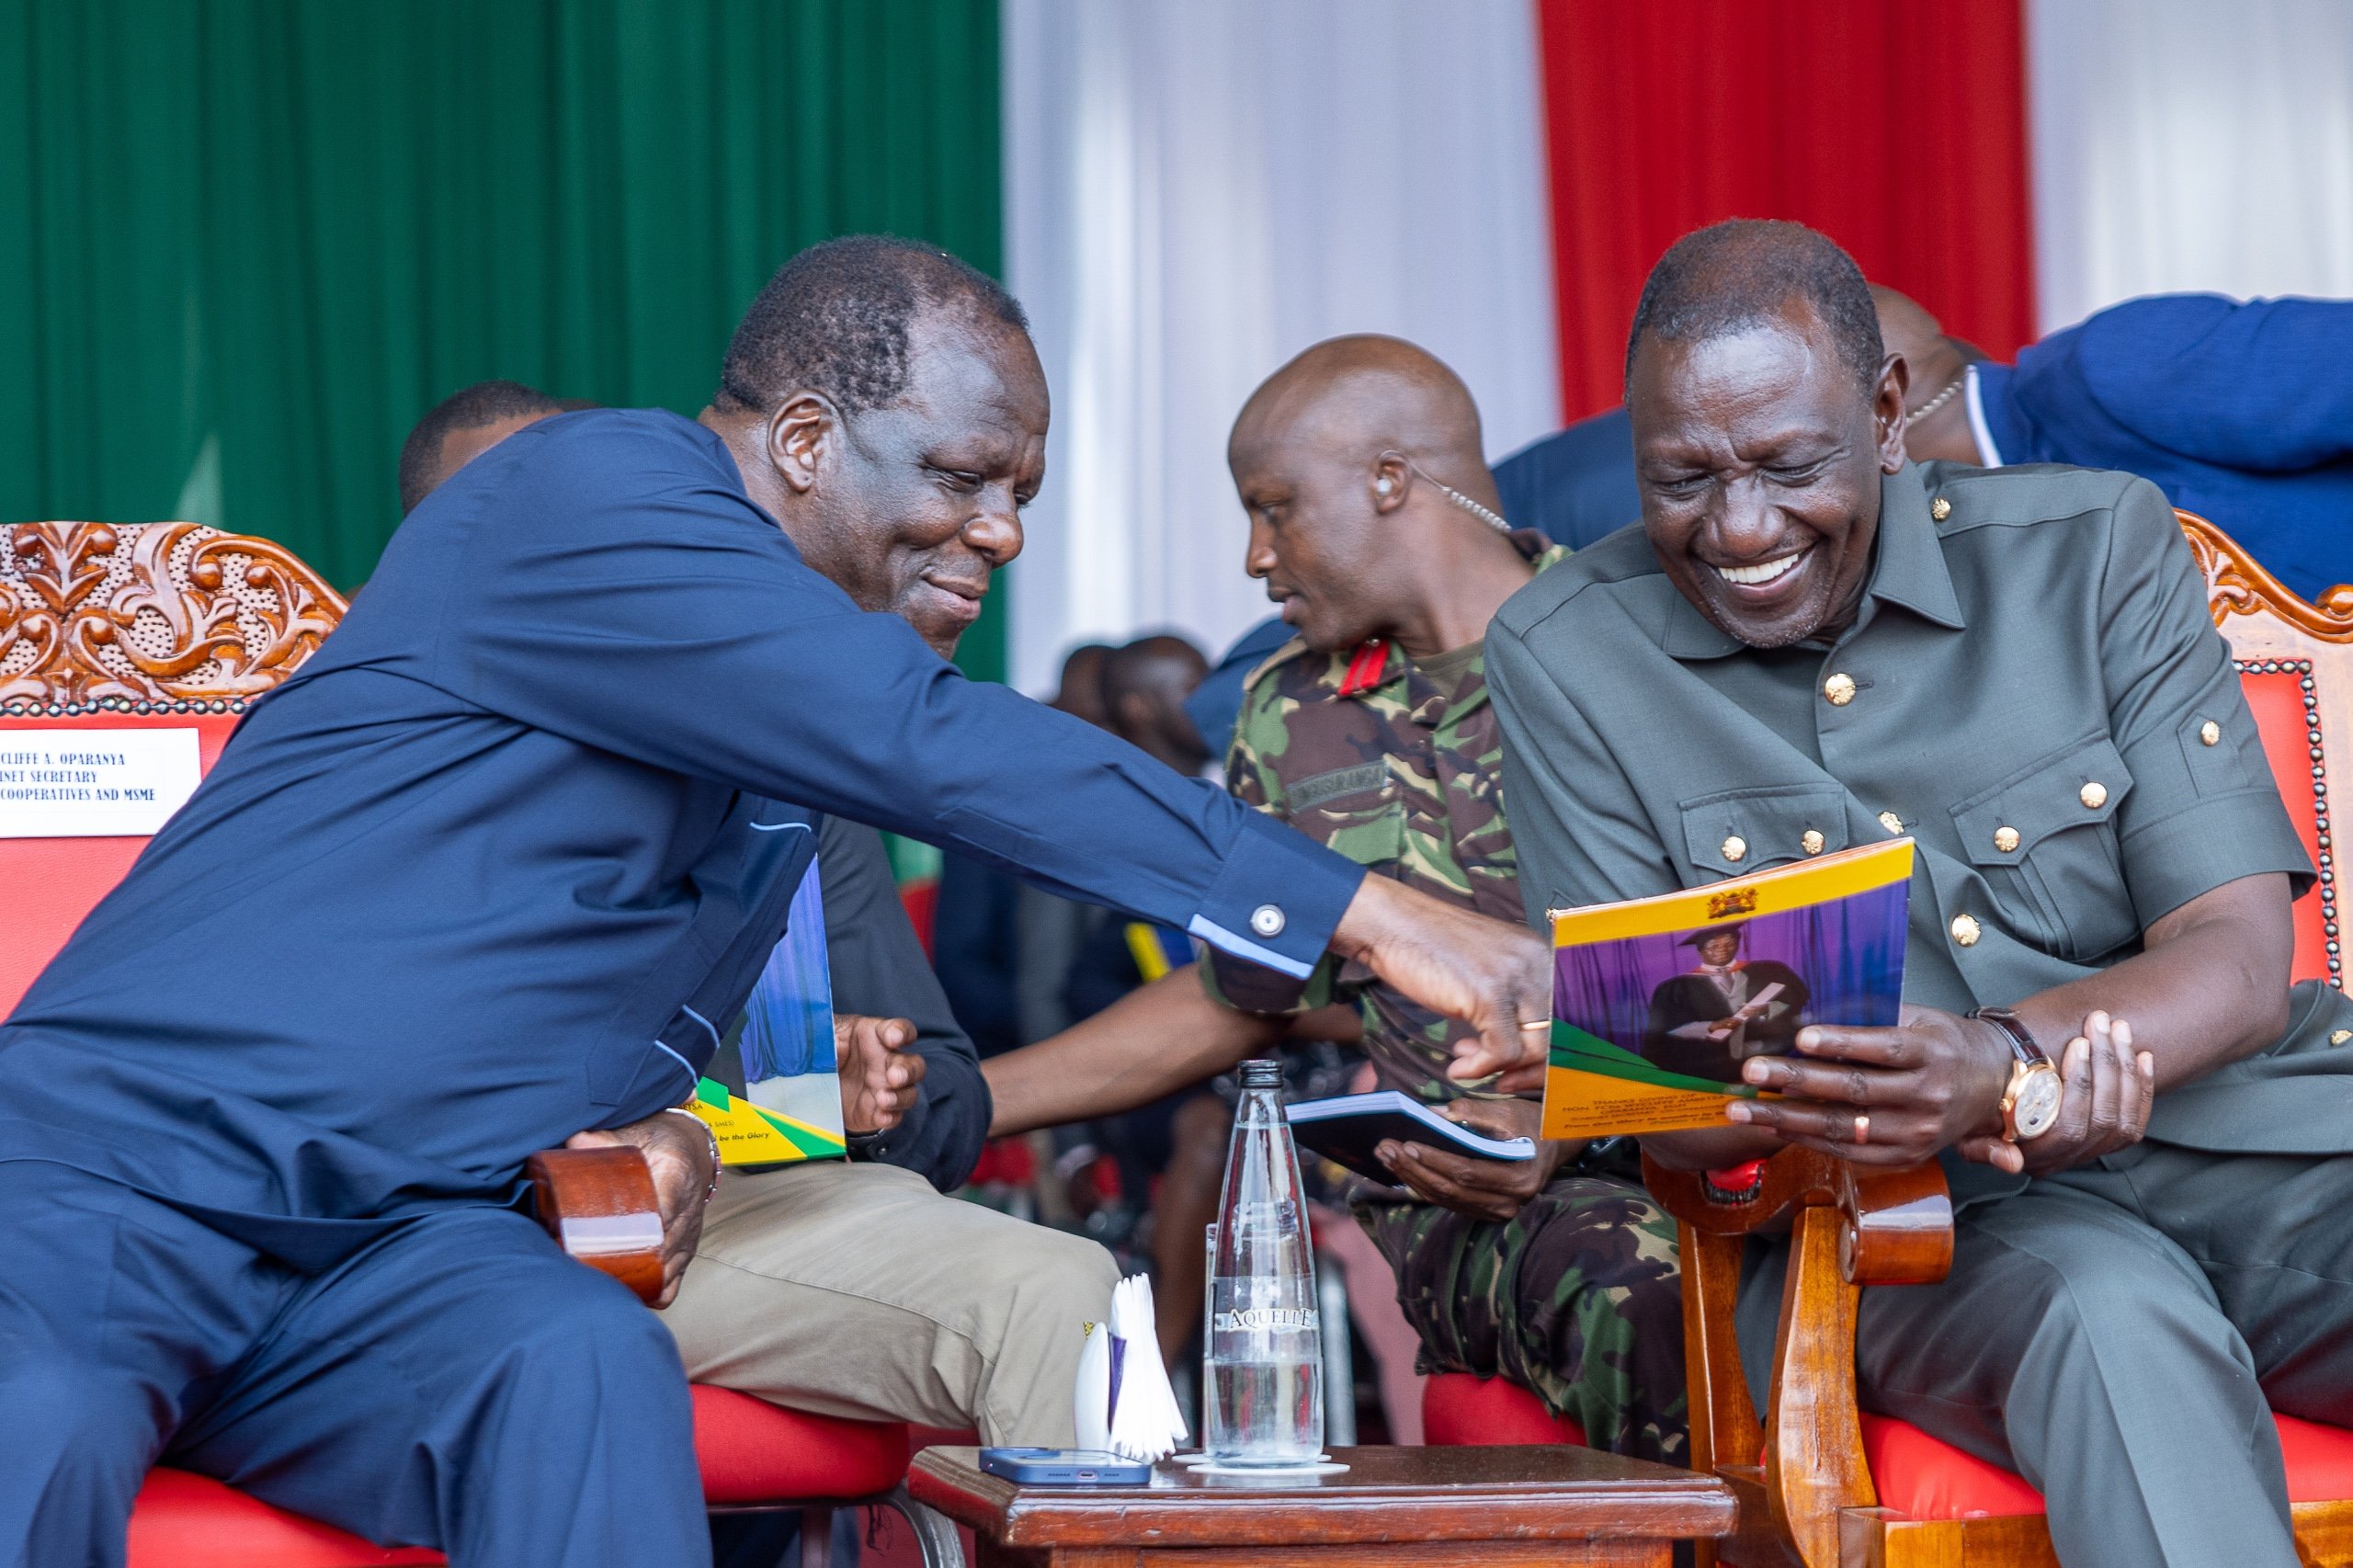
column 2044, row 839
column 1736, row 831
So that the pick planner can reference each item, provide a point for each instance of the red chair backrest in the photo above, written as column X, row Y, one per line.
column 121, row 627
column 2295, row 664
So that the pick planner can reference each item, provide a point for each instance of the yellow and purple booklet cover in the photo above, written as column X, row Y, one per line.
column 1659, row 1002
column 791, row 1108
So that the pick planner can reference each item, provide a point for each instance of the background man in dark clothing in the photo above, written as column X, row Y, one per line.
column 2240, row 411
column 463, row 426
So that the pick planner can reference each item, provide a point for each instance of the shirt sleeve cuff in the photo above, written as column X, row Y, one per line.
column 1279, row 898
column 2219, row 840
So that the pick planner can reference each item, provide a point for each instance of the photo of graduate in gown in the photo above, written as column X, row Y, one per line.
column 1710, row 1019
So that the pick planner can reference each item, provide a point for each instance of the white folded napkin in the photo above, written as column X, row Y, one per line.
column 1123, row 1401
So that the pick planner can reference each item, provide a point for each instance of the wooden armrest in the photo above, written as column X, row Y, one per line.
column 1896, row 1226
column 600, row 1206
column 1852, row 1226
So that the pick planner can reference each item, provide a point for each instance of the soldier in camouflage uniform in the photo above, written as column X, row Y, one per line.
column 1371, row 731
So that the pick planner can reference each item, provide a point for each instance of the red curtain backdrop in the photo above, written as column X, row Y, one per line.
column 1897, row 127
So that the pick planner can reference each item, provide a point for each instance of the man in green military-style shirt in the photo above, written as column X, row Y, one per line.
column 1812, row 643
column 1373, row 523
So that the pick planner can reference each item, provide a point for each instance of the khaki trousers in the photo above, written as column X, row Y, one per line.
column 856, row 1289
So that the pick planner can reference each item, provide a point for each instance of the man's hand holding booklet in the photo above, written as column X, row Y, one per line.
column 1349, row 1130
column 1657, row 1001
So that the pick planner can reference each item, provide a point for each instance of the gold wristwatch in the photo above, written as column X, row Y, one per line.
column 2030, row 1103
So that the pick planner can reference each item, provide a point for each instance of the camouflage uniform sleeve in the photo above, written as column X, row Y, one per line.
column 1252, row 777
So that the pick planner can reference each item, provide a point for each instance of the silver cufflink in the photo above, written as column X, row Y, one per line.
column 1266, row 920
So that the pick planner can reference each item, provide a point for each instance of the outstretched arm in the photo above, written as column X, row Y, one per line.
column 750, row 670
column 1151, row 1042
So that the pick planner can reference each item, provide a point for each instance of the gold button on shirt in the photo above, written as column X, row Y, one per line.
column 2094, row 795
column 1812, row 841
column 1839, row 689
column 2005, row 839
column 1965, row 930
column 1891, row 822
column 1735, row 848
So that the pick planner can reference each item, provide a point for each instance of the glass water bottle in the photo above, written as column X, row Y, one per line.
column 1263, row 1347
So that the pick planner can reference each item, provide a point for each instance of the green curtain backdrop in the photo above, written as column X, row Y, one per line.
column 244, row 244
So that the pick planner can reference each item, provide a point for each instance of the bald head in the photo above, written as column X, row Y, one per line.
column 1933, row 364
column 1144, row 687
column 1370, row 504
column 1365, row 393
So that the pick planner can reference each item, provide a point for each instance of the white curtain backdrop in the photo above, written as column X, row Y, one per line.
column 1198, row 189
column 2189, row 145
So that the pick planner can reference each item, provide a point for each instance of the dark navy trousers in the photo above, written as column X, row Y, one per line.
column 459, row 1384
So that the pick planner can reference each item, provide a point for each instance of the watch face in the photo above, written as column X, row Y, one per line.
column 2036, row 1106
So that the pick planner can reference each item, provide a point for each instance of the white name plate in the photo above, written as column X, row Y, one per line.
column 90, row 783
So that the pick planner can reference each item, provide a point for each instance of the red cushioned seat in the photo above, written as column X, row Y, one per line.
column 1922, row 1478
column 752, row 1451
column 1459, row 1411
column 192, row 1521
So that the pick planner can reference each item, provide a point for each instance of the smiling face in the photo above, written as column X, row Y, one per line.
column 916, row 503
column 1758, row 460
column 1718, row 951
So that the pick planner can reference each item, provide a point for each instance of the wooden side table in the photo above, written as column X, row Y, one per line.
column 1502, row 1508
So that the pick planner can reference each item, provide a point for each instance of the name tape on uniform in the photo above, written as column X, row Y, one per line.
column 88, row 783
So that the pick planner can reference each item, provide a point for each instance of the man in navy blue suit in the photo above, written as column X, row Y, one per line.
column 2242, row 412
column 499, row 854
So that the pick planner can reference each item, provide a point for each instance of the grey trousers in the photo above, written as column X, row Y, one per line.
column 856, row 1289
column 2119, row 1336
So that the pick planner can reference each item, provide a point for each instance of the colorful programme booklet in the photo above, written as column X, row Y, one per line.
column 792, row 1106
column 1657, row 1001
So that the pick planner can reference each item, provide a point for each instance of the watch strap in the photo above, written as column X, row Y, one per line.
column 2022, row 1041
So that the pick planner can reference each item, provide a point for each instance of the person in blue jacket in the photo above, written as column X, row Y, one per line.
column 478, row 878
column 2239, row 412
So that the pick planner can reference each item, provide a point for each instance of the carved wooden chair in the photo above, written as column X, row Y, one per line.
column 176, row 626
column 1818, row 1481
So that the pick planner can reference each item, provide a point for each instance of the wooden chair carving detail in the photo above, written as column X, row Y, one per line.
column 151, row 616
column 2282, row 647
column 2236, row 584
column 1804, row 1488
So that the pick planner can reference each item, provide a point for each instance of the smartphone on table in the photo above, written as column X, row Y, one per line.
column 1064, row 1467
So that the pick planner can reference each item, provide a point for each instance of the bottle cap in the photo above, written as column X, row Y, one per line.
column 1262, row 1073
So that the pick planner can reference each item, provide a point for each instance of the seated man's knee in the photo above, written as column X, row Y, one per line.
column 1609, row 1239
column 1045, row 1268
column 1029, row 1285
column 74, row 1427
column 586, row 1326
column 1075, row 1266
